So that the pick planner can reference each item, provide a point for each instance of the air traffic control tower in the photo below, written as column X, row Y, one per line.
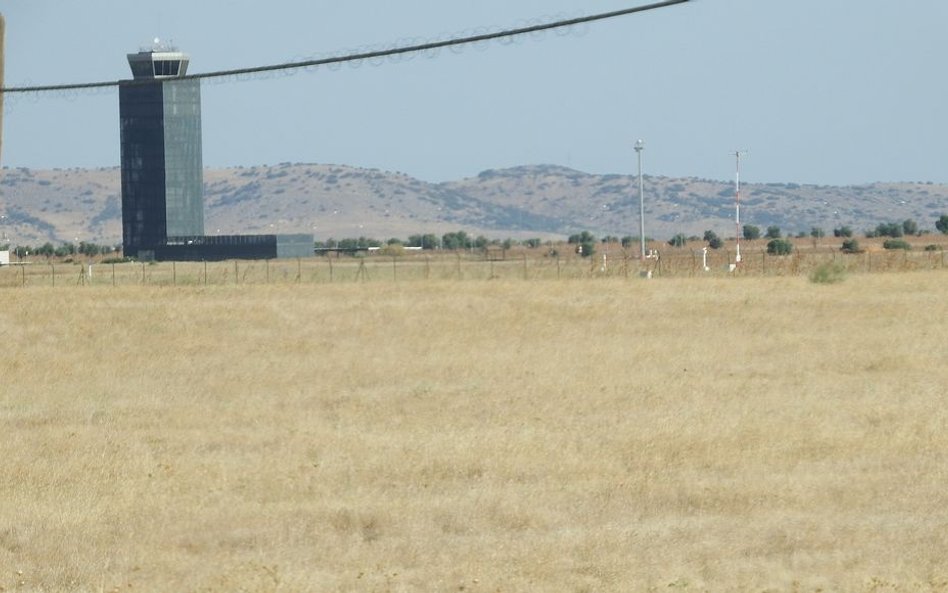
column 162, row 172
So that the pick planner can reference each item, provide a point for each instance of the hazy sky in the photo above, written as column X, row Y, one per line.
column 819, row 91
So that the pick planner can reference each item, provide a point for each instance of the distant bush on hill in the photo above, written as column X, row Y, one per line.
column 942, row 224
column 843, row 231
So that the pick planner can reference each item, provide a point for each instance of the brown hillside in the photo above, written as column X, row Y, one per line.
column 531, row 201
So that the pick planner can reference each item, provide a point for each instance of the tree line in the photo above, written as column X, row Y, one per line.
column 449, row 241
column 63, row 250
column 584, row 243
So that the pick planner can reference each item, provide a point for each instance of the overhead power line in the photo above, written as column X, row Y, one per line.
column 383, row 53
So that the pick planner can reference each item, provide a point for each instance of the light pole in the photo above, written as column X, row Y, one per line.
column 639, row 147
column 2, row 33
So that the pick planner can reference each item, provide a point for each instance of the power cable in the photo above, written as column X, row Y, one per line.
column 356, row 57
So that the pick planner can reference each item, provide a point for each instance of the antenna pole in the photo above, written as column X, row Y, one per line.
column 737, row 203
column 639, row 147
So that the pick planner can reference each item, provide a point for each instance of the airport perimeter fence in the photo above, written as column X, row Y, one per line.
column 526, row 266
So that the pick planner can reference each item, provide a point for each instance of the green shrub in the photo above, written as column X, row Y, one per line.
column 890, row 229
column 779, row 247
column 896, row 244
column 586, row 248
column 844, row 231
column 932, row 247
column 828, row 273
column 580, row 238
column 850, row 246
column 714, row 241
column 942, row 223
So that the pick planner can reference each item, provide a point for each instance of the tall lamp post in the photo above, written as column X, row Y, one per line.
column 2, row 31
column 639, row 147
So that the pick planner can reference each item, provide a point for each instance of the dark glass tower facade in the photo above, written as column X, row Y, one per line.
column 162, row 170
column 162, row 182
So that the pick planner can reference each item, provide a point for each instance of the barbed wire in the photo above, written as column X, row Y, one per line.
column 408, row 49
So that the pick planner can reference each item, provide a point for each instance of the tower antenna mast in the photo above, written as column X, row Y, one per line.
column 639, row 147
column 737, row 203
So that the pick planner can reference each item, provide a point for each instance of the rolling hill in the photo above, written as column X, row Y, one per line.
column 547, row 201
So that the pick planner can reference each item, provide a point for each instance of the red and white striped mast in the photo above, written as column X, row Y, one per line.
column 737, row 203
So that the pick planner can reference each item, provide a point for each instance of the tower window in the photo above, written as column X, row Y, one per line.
column 167, row 67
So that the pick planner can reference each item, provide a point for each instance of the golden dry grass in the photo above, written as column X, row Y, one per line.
column 732, row 434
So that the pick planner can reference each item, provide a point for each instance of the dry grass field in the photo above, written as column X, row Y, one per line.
column 609, row 261
column 706, row 434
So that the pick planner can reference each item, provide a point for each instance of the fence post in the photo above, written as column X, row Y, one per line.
column 205, row 272
column 329, row 257
column 52, row 272
column 113, row 273
column 299, row 270
column 174, row 274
